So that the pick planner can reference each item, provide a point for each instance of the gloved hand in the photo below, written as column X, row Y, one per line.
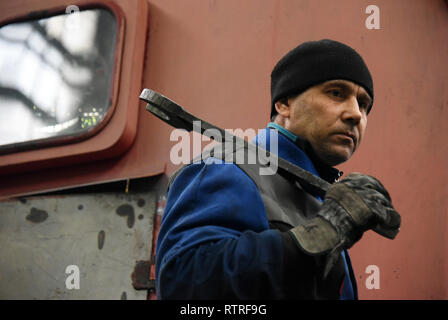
column 367, row 202
column 351, row 207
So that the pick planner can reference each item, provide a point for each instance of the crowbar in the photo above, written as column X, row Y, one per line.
column 176, row 116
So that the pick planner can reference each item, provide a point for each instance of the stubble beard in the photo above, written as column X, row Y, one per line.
column 328, row 154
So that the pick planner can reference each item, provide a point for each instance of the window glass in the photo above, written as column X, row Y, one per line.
column 55, row 77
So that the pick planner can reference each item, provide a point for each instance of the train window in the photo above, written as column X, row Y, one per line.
column 56, row 77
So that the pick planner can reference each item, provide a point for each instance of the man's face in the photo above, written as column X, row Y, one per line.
column 331, row 116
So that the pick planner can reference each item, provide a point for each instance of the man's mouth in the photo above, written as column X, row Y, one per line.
column 349, row 135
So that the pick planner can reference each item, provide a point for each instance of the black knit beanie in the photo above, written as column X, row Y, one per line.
column 315, row 62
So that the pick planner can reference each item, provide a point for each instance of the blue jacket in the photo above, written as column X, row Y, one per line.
column 215, row 241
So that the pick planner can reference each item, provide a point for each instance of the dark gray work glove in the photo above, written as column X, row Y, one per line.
column 352, row 206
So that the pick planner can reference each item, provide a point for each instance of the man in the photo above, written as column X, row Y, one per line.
column 230, row 233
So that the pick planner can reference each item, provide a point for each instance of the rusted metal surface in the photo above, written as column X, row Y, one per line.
column 160, row 208
column 41, row 236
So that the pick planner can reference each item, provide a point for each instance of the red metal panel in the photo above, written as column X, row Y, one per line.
column 119, row 133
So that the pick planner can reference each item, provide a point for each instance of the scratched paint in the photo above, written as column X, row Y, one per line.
column 95, row 239
column 101, row 239
column 141, row 202
column 126, row 210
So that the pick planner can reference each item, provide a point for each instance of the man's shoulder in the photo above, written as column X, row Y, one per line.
column 210, row 168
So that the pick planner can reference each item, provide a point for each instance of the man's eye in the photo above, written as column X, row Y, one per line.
column 335, row 93
column 363, row 105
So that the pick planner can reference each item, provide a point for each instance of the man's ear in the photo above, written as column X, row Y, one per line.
column 282, row 107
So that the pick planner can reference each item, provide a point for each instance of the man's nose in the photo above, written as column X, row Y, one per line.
column 352, row 112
